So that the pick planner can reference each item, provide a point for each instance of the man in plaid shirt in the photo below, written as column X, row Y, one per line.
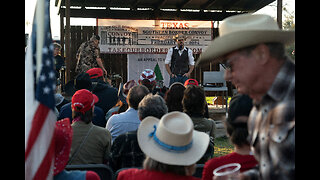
column 272, row 128
column 125, row 150
column 252, row 49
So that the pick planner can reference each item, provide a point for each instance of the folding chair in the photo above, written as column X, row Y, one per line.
column 119, row 170
column 199, row 169
column 104, row 171
column 214, row 81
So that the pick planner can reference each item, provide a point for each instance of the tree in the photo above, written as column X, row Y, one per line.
column 289, row 24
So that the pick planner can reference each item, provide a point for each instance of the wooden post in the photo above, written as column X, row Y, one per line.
column 279, row 13
column 62, row 34
column 67, row 40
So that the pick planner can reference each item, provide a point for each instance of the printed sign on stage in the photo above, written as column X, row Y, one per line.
column 146, row 42
column 139, row 62
column 151, row 36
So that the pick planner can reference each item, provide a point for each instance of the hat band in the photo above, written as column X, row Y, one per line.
column 167, row 147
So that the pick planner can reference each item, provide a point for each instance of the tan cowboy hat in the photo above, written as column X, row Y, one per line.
column 172, row 139
column 244, row 30
column 179, row 36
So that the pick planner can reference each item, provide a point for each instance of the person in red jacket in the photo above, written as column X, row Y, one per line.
column 236, row 126
column 172, row 147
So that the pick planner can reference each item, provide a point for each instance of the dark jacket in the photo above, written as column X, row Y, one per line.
column 108, row 95
column 98, row 118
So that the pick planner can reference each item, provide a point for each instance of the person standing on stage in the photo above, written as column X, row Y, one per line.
column 181, row 60
column 88, row 56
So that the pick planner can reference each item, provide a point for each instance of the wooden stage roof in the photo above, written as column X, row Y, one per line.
column 214, row 10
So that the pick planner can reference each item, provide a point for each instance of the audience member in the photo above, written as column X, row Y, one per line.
column 191, row 82
column 148, row 79
column 82, row 81
column 195, row 82
column 173, row 97
column 106, row 93
column 237, row 131
column 58, row 60
column 172, row 147
column 122, row 104
column 194, row 102
column 125, row 150
column 90, row 144
column 63, row 139
column 60, row 101
column 128, row 120
column 252, row 47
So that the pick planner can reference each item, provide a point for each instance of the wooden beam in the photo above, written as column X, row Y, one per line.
column 152, row 14
column 207, row 4
column 62, row 35
column 279, row 13
column 160, row 4
column 184, row 3
column 230, row 4
column 67, row 40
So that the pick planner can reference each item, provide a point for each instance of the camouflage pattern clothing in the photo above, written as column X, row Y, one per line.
column 86, row 56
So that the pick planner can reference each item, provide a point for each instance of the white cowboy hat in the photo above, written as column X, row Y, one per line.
column 172, row 139
column 244, row 30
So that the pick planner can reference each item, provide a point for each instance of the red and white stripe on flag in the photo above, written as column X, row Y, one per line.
column 39, row 152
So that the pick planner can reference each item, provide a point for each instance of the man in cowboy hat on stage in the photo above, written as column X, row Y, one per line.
column 181, row 60
column 252, row 48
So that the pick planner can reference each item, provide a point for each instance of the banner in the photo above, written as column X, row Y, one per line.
column 139, row 62
column 146, row 42
column 151, row 36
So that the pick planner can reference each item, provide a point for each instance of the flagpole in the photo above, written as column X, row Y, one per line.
column 40, row 13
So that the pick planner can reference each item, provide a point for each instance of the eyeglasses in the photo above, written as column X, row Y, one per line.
column 227, row 64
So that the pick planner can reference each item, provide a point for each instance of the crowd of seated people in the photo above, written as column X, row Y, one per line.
column 113, row 139
column 146, row 134
column 142, row 132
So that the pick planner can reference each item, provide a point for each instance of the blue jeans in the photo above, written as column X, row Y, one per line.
column 179, row 78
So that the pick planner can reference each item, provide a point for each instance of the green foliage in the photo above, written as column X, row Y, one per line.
column 222, row 146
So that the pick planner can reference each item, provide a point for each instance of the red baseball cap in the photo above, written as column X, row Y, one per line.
column 95, row 73
column 191, row 82
column 83, row 100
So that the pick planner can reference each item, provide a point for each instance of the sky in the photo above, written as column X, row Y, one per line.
column 55, row 18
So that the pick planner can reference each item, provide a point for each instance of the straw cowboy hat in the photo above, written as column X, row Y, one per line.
column 244, row 30
column 172, row 139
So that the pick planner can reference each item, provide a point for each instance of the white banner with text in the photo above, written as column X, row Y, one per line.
column 151, row 36
column 139, row 62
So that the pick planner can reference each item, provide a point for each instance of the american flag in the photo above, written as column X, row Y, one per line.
column 39, row 97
